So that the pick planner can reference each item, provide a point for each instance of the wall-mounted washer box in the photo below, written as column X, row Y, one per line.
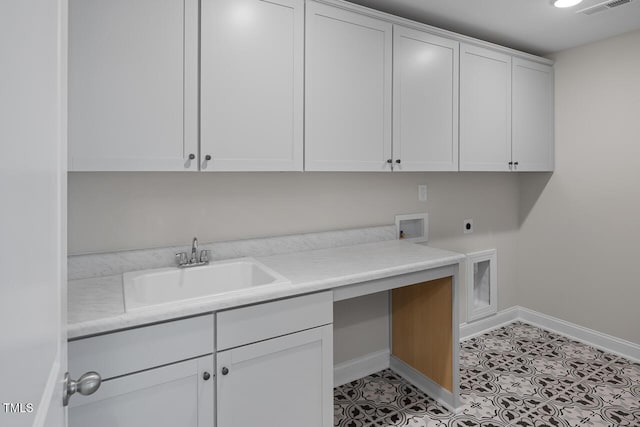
column 413, row 227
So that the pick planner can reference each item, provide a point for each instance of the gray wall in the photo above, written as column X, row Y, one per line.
column 567, row 242
column 114, row 211
column 579, row 234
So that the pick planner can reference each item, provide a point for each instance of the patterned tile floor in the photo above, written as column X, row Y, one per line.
column 517, row 375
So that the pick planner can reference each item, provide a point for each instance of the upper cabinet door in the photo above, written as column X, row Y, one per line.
column 533, row 129
column 425, row 101
column 252, row 85
column 485, row 110
column 133, row 85
column 348, row 91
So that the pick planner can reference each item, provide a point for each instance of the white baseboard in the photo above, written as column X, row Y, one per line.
column 588, row 336
column 432, row 389
column 479, row 327
column 596, row 339
column 361, row 367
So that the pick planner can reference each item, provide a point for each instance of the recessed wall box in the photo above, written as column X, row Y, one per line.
column 412, row 227
column 482, row 284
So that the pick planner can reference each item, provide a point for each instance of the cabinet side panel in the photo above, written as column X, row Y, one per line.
column 422, row 330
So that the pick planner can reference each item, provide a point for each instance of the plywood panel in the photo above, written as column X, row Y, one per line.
column 422, row 329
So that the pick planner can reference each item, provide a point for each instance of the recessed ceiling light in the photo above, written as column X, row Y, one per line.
column 566, row 3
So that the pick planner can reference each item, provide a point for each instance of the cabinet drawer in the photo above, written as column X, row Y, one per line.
column 138, row 349
column 272, row 319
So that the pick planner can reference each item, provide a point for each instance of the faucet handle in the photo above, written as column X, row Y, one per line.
column 181, row 258
column 204, row 255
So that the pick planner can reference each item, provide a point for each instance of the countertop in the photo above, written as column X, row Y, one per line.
column 96, row 305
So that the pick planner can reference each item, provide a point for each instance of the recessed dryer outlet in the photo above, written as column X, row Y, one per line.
column 482, row 284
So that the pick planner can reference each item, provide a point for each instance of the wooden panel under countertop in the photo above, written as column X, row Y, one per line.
column 422, row 332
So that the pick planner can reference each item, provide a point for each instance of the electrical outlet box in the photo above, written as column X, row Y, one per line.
column 467, row 226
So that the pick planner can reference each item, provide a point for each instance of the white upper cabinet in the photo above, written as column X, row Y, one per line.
column 533, row 129
column 293, row 85
column 133, row 85
column 348, row 91
column 252, row 85
column 425, row 101
column 485, row 109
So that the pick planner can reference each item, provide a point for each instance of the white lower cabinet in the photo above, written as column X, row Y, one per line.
column 281, row 382
column 275, row 363
column 273, row 368
column 181, row 394
column 161, row 375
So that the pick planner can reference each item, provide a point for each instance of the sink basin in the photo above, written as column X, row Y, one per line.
column 150, row 288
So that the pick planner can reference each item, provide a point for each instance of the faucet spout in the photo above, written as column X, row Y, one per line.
column 194, row 250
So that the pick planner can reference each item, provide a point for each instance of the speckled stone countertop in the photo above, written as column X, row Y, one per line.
column 96, row 305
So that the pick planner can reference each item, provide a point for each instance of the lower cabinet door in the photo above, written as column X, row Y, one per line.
column 181, row 394
column 281, row 382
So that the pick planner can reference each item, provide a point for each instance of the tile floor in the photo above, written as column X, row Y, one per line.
column 517, row 375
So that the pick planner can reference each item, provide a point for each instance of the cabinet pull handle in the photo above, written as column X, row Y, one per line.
column 207, row 157
column 398, row 161
column 510, row 163
column 192, row 156
column 225, row 371
column 206, row 375
column 515, row 163
column 389, row 161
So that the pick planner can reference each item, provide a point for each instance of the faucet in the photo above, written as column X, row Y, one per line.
column 183, row 259
column 194, row 250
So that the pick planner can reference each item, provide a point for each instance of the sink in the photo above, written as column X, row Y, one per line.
column 150, row 288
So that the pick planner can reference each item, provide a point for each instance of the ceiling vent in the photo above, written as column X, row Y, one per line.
column 601, row 7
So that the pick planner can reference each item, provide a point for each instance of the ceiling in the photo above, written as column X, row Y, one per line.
column 533, row 26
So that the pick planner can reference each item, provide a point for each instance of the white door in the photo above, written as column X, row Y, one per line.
column 33, row 293
column 252, row 85
column 485, row 110
column 425, row 101
column 533, row 132
column 133, row 85
column 177, row 395
column 281, row 382
column 347, row 91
